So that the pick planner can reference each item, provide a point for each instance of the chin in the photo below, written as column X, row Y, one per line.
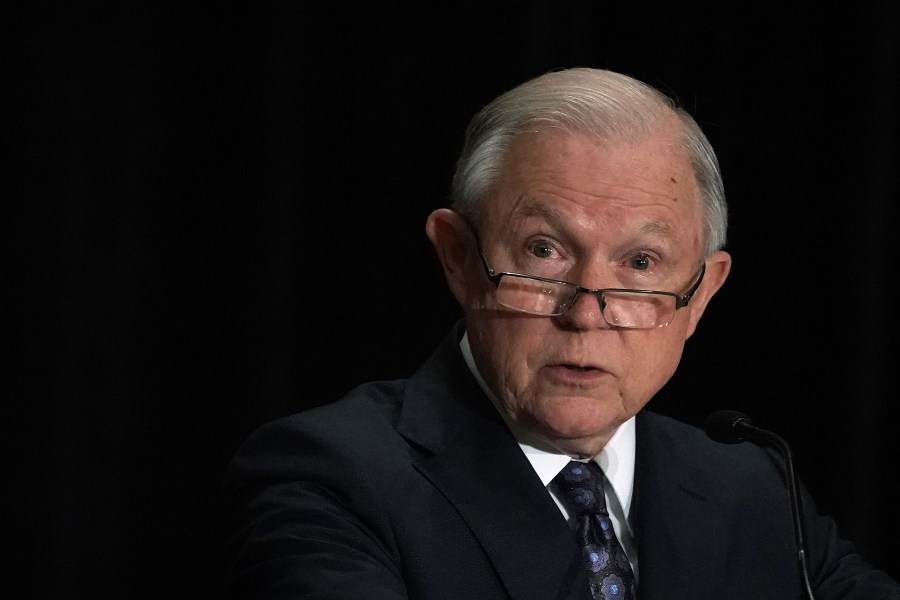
column 578, row 418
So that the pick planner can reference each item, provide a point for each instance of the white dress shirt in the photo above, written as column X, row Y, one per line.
column 616, row 459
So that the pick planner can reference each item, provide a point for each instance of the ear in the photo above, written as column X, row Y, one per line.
column 718, row 265
column 449, row 234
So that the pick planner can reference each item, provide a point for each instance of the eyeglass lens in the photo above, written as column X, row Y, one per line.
column 623, row 309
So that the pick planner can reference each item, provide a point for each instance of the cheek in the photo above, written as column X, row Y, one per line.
column 509, row 348
column 656, row 364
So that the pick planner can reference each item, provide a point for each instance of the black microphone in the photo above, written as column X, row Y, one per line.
column 732, row 427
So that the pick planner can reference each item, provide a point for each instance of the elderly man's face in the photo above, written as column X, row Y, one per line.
column 624, row 216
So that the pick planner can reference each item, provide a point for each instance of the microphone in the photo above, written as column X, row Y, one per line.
column 732, row 427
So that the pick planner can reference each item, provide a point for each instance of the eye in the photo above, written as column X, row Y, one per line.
column 543, row 257
column 641, row 262
column 541, row 249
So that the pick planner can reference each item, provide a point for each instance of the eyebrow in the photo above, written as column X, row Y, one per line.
column 658, row 228
column 532, row 208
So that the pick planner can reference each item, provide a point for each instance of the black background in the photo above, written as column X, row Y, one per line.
column 215, row 216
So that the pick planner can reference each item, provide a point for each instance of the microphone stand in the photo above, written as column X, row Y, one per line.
column 743, row 426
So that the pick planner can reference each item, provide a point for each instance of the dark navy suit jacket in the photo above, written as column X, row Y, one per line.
column 415, row 489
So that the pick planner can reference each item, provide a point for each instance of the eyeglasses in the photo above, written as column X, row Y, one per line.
column 621, row 307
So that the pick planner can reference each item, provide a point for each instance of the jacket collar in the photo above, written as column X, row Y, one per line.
column 469, row 455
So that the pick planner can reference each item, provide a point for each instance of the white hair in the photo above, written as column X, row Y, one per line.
column 596, row 102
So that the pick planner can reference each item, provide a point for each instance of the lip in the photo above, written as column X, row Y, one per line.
column 574, row 374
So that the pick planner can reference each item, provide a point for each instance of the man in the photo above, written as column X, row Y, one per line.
column 584, row 242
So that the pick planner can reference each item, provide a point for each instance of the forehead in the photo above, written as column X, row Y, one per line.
column 563, row 176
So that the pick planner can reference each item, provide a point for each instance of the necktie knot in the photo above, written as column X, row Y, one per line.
column 581, row 486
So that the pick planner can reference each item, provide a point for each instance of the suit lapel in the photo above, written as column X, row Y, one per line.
column 477, row 465
column 509, row 511
column 680, row 522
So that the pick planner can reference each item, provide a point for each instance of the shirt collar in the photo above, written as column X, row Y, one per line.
column 616, row 459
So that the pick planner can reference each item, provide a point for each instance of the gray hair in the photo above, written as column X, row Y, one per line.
column 595, row 102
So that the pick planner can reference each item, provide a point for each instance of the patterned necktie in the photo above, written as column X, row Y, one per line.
column 580, row 488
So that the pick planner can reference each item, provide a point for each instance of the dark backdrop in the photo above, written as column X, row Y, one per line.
column 215, row 216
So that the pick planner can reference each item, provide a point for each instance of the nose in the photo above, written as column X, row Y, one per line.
column 585, row 313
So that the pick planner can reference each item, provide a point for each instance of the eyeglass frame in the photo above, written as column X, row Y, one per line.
column 681, row 300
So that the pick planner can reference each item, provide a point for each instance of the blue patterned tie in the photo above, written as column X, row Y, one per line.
column 580, row 488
